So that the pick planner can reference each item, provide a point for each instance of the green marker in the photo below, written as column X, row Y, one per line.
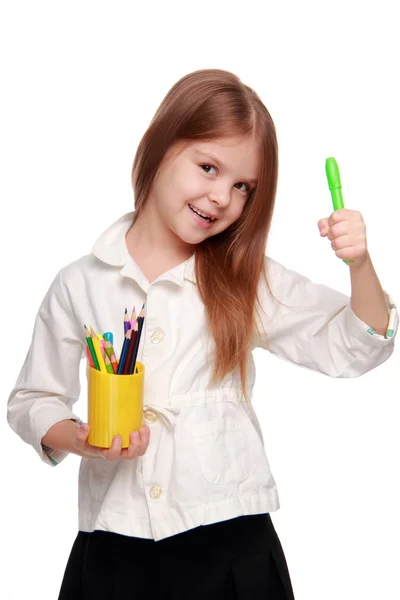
column 335, row 185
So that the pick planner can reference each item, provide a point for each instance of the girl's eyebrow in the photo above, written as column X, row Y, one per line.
column 213, row 158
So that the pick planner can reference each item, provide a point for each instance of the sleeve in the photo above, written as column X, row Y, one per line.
column 313, row 326
column 48, row 384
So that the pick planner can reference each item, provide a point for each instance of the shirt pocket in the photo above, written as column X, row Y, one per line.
column 221, row 449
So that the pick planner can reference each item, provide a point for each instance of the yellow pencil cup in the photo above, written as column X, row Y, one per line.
column 115, row 405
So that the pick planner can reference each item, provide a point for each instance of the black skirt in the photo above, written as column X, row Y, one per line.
column 238, row 559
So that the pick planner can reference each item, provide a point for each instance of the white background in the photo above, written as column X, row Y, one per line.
column 80, row 83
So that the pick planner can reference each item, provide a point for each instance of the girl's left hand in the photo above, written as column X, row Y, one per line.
column 346, row 230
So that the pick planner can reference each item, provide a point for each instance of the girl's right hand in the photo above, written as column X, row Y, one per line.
column 139, row 440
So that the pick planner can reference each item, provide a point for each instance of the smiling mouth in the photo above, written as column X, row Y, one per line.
column 202, row 215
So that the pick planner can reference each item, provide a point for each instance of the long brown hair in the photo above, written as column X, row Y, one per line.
column 207, row 105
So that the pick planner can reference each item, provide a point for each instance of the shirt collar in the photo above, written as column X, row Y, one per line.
column 111, row 249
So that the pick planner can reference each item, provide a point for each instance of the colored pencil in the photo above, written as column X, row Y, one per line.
column 108, row 337
column 100, row 352
column 96, row 344
column 109, row 350
column 89, row 357
column 99, row 337
column 137, row 341
column 91, row 348
column 131, row 350
column 126, row 321
column 108, row 364
column 133, row 318
column 101, row 341
column 124, row 351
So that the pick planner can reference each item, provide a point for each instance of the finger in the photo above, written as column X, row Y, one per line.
column 323, row 227
column 82, row 434
column 114, row 451
column 342, row 214
column 338, row 230
column 134, row 445
column 144, row 434
column 81, row 444
column 343, row 241
column 351, row 253
column 139, row 440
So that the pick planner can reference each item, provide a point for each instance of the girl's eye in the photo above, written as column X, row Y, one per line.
column 207, row 168
column 247, row 189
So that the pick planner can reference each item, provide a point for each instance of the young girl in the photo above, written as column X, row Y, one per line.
column 184, row 511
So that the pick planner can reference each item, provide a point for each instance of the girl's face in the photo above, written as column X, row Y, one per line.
column 210, row 178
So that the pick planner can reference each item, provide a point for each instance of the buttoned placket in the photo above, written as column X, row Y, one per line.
column 159, row 418
column 153, row 476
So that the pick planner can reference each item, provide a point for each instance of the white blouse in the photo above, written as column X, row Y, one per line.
column 206, row 460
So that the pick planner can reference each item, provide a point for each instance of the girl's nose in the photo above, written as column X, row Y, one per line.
column 219, row 196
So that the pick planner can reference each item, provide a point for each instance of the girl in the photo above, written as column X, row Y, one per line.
column 184, row 511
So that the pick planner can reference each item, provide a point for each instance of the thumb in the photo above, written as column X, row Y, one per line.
column 323, row 227
column 82, row 434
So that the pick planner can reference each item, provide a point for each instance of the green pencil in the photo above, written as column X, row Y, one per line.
column 108, row 364
column 91, row 348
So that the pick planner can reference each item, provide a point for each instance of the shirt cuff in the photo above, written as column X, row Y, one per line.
column 368, row 334
column 56, row 456
column 41, row 424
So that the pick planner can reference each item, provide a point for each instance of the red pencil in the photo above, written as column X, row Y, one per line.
column 89, row 356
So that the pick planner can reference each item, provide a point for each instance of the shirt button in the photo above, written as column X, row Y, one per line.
column 155, row 492
column 157, row 336
column 150, row 416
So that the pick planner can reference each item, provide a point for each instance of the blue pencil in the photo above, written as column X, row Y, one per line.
column 108, row 336
column 124, row 352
